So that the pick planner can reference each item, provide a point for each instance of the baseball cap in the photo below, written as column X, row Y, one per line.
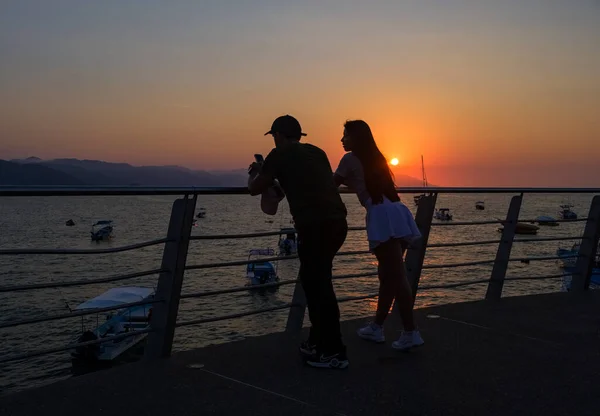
column 286, row 125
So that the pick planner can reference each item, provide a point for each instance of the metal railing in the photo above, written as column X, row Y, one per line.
column 174, row 260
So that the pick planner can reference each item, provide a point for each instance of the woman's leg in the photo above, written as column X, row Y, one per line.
column 393, row 284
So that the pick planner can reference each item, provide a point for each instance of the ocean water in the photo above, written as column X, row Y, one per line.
column 39, row 222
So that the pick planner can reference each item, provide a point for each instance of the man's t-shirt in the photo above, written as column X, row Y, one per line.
column 305, row 175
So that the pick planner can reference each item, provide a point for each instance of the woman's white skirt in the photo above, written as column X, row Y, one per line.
column 390, row 220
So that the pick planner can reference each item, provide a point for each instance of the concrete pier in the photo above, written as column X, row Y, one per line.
column 529, row 355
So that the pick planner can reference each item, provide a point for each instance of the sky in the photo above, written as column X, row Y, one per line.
column 491, row 93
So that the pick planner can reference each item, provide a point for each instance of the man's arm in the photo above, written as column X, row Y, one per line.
column 269, row 201
column 259, row 183
column 263, row 175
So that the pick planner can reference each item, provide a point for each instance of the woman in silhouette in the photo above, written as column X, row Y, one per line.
column 390, row 229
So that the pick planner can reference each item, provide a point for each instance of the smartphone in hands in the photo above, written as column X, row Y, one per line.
column 257, row 159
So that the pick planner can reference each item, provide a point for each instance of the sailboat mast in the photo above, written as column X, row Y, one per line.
column 423, row 172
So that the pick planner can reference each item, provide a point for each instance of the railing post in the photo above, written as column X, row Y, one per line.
column 164, row 314
column 588, row 249
column 415, row 256
column 494, row 289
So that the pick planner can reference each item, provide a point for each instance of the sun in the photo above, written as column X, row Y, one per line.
column 394, row 161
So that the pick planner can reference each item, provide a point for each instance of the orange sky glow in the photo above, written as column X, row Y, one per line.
column 490, row 93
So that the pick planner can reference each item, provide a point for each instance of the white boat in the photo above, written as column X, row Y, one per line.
column 443, row 214
column 102, row 230
column 287, row 242
column 480, row 205
column 523, row 228
column 546, row 220
column 132, row 319
column 261, row 272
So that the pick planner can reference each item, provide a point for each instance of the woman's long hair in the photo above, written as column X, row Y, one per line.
column 379, row 179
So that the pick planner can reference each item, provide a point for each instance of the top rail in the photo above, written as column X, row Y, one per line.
column 242, row 190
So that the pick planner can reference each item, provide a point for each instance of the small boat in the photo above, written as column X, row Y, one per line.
column 524, row 228
column 287, row 242
column 480, row 205
column 102, row 230
column 568, row 264
column 261, row 272
column 568, row 276
column 546, row 220
column 201, row 213
column 566, row 255
column 116, row 322
column 443, row 214
column 565, row 212
column 568, row 259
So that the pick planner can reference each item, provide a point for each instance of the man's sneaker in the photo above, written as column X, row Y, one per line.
column 408, row 340
column 307, row 348
column 371, row 332
column 321, row 360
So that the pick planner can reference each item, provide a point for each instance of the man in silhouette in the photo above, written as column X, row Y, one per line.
column 304, row 173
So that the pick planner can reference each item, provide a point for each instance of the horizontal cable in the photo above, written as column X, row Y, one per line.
column 468, row 263
column 448, row 223
column 480, row 281
column 254, row 235
column 226, row 236
column 480, row 262
column 359, row 297
column 237, row 289
column 543, row 258
column 15, row 288
column 465, row 243
column 262, row 260
column 551, row 276
column 498, row 221
column 25, row 355
column 453, row 285
column 266, row 286
column 234, row 315
column 354, row 276
column 238, row 263
column 556, row 220
column 19, row 251
column 353, row 253
column 273, row 233
column 533, row 240
column 82, row 312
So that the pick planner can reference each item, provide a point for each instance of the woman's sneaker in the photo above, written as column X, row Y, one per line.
column 371, row 332
column 408, row 340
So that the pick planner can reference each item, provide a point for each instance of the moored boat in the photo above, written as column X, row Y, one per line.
column 126, row 320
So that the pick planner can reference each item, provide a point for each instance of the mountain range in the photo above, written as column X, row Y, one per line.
column 34, row 171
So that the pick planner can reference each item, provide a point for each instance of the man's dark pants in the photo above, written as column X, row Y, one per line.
column 318, row 243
